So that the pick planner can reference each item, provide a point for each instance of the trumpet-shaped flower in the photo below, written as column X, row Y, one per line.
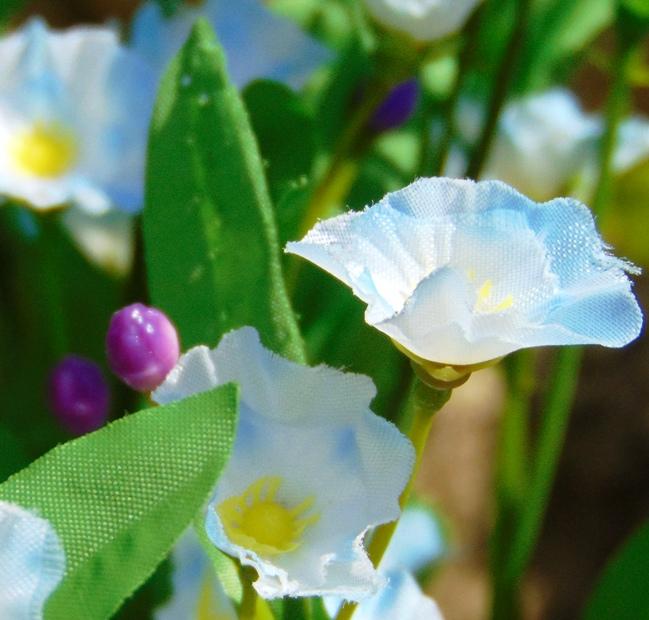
column 423, row 20
column 542, row 143
column 32, row 563
column 460, row 273
column 257, row 42
column 312, row 468
column 74, row 114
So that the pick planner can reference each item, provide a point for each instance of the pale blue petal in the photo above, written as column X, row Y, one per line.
column 257, row 42
column 310, row 427
column 401, row 599
column 462, row 272
column 32, row 563
column 192, row 575
column 417, row 542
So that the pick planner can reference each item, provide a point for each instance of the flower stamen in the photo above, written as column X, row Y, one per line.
column 256, row 520
column 484, row 301
column 44, row 151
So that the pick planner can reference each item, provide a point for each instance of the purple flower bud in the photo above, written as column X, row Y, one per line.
column 78, row 394
column 142, row 346
column 397, row 107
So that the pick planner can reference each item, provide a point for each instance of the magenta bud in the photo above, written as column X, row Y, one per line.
column 397, row 107
column 142, row 346
column 78, row 394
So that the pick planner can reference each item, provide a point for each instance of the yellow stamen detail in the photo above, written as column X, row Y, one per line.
column 45, row 151
column 257, row 521
column 484, row 303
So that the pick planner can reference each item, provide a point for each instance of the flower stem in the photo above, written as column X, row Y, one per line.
column 248, row 607
column 339, row 176
column 467, row 53
column 563, row 383
column 560, row 396
column 616, row 105
column 426, row 402
column 502, row 82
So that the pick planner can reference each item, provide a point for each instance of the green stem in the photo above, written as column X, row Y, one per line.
column 616, row 106
column 502, row 82
column 556, row 413
column 426, row 402
column 469, row 38
column 342, row 170
column 248, row 607
column 563, row 383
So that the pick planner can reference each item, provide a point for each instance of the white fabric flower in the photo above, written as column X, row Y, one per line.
column 542, row 143
column 312, row 468
column 74, row 114
column 197, row 594
column 632, row 144
column 416, row 544
column 32, row 563
column 423, row 20
column 461, row 273
column 400, row 599
column 257, row 43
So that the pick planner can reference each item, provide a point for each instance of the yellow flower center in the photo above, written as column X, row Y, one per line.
column 45, row 151
column 257, row 521
column 485, row 303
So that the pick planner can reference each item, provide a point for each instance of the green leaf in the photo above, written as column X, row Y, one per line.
column 559, row 30
column 8, row 8
column 120, row 497
column 210, row 237
column 285, row 129
column 53, row 303
column 622, row 591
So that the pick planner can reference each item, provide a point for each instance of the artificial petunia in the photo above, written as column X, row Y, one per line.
column 312, row 468
column 74, row 113
column 542, row 143
column 462, row 273
column 257, row 42
column 423, row 20
column 32, row 563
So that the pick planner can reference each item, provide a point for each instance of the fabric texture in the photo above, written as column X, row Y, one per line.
column 32, row 563
column 311, row 430
column 86, row 102
column 459, row 272
column 120, row 497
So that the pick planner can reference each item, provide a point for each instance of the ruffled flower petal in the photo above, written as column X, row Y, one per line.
column 459, row 272
column 32, row 563
column 308, row 452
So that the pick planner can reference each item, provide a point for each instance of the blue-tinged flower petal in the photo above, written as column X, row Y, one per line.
column 196, row 592
column 75, row 107
column 417, row 542
column 257, row 42
column 423, row 20
column 32, row 563
column 542, row 142
column 400, row 599
column 312, row 468
column 632, row 146
column 459, row 272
